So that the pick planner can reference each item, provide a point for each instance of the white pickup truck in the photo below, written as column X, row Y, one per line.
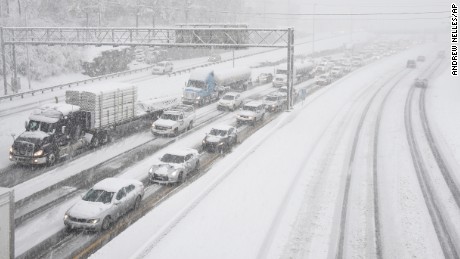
column 174, row 121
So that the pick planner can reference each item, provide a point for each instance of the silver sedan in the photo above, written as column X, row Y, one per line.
column 104, row 204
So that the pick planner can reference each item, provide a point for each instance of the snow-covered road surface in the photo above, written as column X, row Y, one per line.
column 280, row 193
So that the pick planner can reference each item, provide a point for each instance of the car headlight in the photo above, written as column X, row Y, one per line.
column 198, row 97
column 153, row 126
column 93, row 221
column 174, row 173
column 11, row 149
column 38, row 153
column 66, row 216
column 220, row 144
column 151, row 170
column 204, row 141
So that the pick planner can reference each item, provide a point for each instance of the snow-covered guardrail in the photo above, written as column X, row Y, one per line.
column 110, row 76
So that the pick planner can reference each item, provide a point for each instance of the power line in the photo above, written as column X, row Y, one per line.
column 337, row 14
column 359, row 19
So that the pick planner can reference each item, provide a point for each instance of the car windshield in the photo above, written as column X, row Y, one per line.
column 197, row 84
column 42, row 126
column 271, row 98
column 217, row 132
column 228, row 97
column 169, row 158
column 172, row 117
column 250, row 108
column 98, row 196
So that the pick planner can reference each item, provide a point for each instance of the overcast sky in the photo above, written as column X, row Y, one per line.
column 297, row 13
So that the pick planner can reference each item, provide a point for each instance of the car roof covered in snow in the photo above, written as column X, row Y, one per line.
column 183, row 151
column 232, row 93
column 114, row 184
column 222, row 127
column 276, row 94
column 254, row 103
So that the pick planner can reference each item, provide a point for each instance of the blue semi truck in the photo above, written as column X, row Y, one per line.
column 207, row 85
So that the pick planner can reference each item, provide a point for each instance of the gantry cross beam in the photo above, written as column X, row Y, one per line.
column 178, row 37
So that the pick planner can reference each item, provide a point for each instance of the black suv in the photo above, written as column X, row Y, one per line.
column 220, row 139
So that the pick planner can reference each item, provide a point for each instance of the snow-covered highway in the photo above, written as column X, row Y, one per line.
column 281, row 193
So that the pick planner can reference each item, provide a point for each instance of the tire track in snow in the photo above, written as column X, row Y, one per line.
column 346, row 196
column 175, row 220
column 297, row 239
column 439, row 157
column 446, row 235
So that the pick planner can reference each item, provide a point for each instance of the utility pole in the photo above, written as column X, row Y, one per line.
column 313, row 41
column 187, row 9
column 99, row 11
column 5, row 81
column 27, row 48
column 351, row 29
column 137, row 14
column 290, row 67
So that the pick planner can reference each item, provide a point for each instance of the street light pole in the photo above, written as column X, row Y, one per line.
column 313, row 41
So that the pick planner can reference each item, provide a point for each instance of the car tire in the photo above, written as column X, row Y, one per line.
column 190, row 125
column 68, row 229
column 197, row 165
column 105, row 223
column 234, row 107
column 176, row 132
column 95, row 141
column 104, row 138
column 51, row 159
column 180, row 178
column 137, row 203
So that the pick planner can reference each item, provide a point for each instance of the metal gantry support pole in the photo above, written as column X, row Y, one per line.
column 5, row 82
column 290, row 67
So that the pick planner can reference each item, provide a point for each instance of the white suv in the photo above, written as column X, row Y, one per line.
column 162, row 67
column 230, row 100
column 251, row 112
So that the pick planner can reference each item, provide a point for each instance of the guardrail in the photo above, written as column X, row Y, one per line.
column 114, row 75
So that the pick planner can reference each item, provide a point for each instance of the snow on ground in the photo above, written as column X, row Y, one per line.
column 443, row 108
column 138, row 171
column 246, row 204
column 150, row 86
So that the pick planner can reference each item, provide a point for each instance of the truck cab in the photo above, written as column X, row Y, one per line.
column 51, row 133
column 280, row 78
column 174, row 120
column 275, row 102
column 251, row 112
column 201, row 88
